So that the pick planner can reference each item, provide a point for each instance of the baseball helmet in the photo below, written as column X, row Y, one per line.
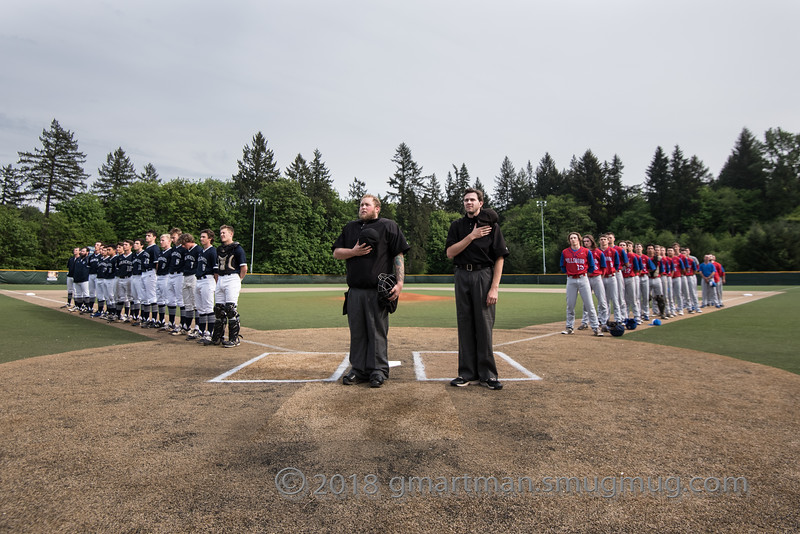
column 630, row 323
column 616, row 329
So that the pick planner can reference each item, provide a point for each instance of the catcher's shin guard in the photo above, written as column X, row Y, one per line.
column 661, row 305
column 233, row 321
column 219, row 325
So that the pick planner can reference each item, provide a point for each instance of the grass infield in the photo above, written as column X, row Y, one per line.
column 760, row 332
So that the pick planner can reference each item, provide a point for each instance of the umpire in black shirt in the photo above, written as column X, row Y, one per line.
column 478, row 250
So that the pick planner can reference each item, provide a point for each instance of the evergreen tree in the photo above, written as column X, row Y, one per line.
column 115, row 174
column 54, row 173
column 299, row 172
column 257, row 168
column 745, row 168
column 617, row 196
column 357, row 190
column 12, row 184
column 487, row 202
column 523, row 189
column 433, row 193
column 547, row 178
column 586, row 183
column 150, row 174
column 320, row 187
column 455, row 186
column 504, row 184
column 408, row 191
column 657, row 186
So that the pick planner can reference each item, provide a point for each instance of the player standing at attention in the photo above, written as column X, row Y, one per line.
column 708, row 272
column 644, row 281
column 231, row 270
column 610, row 281
column 81, row 280
column 175, row 287
column 720, row 280
column 162, row 281
column 93, row 259
column 76, row 252
column 137, row 287
column 576, row 262
column 205, row 286
column 478, row 250
column 191, row 252
column 124, row 272
column 149, row 281
column 597, row 285
column 370, row 246
column 623, row 260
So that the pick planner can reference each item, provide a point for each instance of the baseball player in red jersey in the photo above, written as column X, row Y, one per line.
column 610, row 280
column 577, row 262
column 597, row 285
column 644, row 281
column 666, row 281
column 630, row 275
column 623, row 259
column 690, row 281
column 720, row 280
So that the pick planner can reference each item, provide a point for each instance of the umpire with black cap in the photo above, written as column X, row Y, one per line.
column 478, row 250
column 371, row 247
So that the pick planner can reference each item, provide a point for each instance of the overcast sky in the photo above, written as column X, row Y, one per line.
column 186, row 84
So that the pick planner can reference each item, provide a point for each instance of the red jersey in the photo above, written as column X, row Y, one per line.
column 576, row 262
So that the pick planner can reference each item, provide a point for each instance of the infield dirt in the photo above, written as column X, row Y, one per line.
column 136, row 438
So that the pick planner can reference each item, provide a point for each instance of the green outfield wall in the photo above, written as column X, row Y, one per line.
column 783, row 278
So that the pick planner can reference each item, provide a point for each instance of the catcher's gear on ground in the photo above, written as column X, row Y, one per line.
column 630, row 324
column 386, row 283
column 661, row 305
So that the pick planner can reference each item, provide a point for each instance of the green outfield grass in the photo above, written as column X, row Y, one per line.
column 761, row 331
column 31, row 330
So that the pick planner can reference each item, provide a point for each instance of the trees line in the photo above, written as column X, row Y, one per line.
column 749, row 215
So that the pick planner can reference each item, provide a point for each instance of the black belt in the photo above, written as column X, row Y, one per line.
column 204, row 276
column 121, row 277
column 473, row 266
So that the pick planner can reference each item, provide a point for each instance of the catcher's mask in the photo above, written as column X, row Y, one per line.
column 630, row 323
column 616, row 329
column 386, row 283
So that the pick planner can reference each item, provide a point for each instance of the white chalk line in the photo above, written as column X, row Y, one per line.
column 333, row 378
column 422, row 376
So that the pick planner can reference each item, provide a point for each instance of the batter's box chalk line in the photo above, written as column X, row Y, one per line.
column 419, row 366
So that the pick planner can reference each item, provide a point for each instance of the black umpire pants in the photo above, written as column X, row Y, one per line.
column 369, row 326
column 475, row 323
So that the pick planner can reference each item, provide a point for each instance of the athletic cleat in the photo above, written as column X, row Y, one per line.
column 230, row 344
column 459, row 382
column 597, row 332
column 583, row 326
column 168, row 327
column 95, row 315
column 192, row 335
column 492, row 383
column 680, row 312
column 568, row 331
column 646, row 317
column 699, row 310
column 177, row 331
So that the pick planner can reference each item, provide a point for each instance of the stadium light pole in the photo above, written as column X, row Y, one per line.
column 256, row 202
column 542, row 204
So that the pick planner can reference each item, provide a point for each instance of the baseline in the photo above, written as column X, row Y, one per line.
column 419, row 367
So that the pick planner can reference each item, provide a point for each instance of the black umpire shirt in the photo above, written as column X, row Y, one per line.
column 481, row 252
column 363, row 271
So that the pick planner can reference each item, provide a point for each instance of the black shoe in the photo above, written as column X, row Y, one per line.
column 459, row 382
column 352, row 378
column 492, row 383
column 375, row 383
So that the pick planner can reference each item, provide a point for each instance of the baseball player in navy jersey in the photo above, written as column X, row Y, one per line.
column 190, row 254
column 103, row 290
column 93, row 259
column 596, row 283
column 76, row 252
column 231, row 270
column 137, row 287
column 576, row 262
column 149, row 281
column 162, row 281
column 124, row 271
column 80, row 279
column 111, row 297
column 204, row 288
column 175, row 287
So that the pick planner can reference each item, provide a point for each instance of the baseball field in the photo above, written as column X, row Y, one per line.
column 692, row 426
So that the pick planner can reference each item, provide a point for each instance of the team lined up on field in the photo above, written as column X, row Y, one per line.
column 633, row 280
column 167, row 288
